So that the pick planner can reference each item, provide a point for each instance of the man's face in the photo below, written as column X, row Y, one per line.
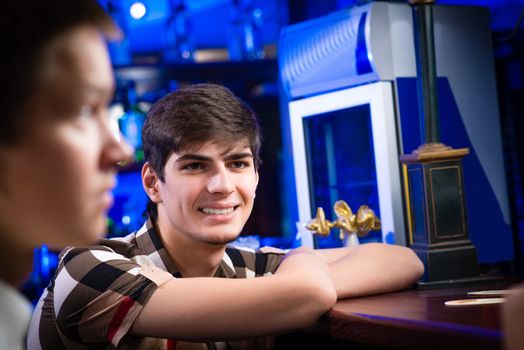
column 57, row 179
column 208, row 193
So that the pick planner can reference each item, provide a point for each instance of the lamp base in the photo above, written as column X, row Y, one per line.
column 451, row 261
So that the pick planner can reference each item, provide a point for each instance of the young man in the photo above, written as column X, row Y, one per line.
column 202, row 151
column 58, row 154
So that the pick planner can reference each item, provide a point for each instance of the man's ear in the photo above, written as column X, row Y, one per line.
column 150, row 182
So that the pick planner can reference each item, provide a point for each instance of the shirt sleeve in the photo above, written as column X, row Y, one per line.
column 98, row 294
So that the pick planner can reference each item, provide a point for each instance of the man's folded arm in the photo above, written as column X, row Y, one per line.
column 200, row 309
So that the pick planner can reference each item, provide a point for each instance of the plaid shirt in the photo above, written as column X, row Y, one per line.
column 98, row 291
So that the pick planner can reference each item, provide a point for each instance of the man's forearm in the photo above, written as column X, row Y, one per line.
column 372, row 268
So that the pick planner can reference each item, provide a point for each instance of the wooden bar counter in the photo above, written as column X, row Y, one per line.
column 413, row 319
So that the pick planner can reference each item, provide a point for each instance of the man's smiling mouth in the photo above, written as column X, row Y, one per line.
column 214, row 211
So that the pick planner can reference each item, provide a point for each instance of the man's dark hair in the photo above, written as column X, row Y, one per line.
column 190, row 117
column 27, row 28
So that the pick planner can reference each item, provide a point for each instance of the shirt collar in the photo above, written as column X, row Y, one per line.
column 149, row 242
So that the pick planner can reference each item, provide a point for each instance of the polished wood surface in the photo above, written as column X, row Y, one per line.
column 415, row 319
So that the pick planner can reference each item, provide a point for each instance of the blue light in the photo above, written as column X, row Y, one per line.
column 137, row 10
column 126, row 220
column 44, row 263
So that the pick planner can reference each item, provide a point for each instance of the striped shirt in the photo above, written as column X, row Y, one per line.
column 98, row 291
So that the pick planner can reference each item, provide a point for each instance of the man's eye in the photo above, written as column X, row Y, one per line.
column 240, row 164
column 193, row 166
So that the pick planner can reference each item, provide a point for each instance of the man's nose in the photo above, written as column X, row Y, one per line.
column 221, row 182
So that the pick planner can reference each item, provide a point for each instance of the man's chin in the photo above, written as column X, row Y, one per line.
column 221, row 239
column 94, row 232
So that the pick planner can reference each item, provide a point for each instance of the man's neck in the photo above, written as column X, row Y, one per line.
column 195, row 260
column 191, row 258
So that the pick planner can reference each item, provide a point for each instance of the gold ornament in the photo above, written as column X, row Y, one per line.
column 364, row 221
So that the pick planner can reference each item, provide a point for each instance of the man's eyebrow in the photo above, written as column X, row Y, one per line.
column 199, row 157
column 193, row 157
column 97, row 91
column 235, row 156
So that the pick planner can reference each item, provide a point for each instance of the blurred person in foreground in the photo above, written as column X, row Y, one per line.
column 58, row 152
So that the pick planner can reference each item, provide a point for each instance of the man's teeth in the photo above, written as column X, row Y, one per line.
column 218, row 211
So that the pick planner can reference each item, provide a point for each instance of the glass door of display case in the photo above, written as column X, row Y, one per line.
column 345, row 147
